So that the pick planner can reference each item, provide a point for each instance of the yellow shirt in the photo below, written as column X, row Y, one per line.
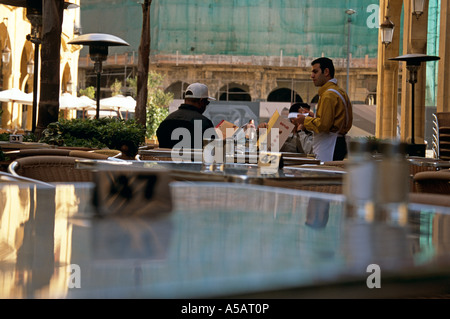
column 331, row 111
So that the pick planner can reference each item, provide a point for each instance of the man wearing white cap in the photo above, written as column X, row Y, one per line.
column 188, row 116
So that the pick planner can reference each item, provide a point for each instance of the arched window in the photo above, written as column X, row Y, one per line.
column 177, row 89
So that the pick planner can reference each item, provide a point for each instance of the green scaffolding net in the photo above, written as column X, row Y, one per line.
column 242, row 27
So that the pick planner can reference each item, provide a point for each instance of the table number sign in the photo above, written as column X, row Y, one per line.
column 15, row 138
column 269, row 162
column 132, row 192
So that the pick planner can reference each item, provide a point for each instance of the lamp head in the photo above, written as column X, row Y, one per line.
column 387, row 31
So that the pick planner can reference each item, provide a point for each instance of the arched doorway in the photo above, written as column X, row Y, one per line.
column 315, row 99
column 284, row 95
column 177, row 89
column 234, row 92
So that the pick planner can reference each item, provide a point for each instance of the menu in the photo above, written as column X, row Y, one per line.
column 227, row 129
column 278, row 130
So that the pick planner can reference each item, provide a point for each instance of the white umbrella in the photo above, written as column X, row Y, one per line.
column 16, row 96
column 89, row 103
column 69, row 101
column 118, row 102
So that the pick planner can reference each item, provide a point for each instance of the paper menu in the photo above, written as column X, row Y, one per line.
column 278, row 130
column 226, row 128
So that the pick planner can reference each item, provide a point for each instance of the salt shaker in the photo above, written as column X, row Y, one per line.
column 361, row 181
column 394, row 181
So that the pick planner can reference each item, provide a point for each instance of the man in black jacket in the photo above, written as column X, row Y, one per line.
column 186, row 126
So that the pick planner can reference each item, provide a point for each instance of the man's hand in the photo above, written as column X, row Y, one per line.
column 300, row 119
column 262, row 125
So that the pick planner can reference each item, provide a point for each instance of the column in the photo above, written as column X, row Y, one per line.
column 414, row 41
column 387, row 86
column 443, row 91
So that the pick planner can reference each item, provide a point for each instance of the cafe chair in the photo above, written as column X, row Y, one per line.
column 50, row 169
column 441, row 135
column 429, row 199
column 435, row 182
column 341, row 164
column 157, row 154
column 331, row 187
column 61, row 152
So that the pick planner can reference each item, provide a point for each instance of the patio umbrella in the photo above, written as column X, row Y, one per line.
column 16, row 96
column 69, row 101
column 118, row 102
column 87, row 103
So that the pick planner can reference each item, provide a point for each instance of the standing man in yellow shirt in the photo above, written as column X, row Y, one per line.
column 334, row 115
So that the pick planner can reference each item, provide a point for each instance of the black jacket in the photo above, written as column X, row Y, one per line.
column 188, row 117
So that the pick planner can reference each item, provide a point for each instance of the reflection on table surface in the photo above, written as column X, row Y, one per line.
column 220, row 240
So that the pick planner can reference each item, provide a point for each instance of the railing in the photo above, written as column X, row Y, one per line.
column 220, row 59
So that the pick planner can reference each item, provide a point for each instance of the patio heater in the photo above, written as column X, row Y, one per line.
column 98, row 51
column 413, row 62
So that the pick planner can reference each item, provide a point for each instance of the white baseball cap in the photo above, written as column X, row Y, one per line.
column 197, row 91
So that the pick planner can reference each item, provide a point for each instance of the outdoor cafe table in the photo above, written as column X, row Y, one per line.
column 228, row 172
column 218, row 240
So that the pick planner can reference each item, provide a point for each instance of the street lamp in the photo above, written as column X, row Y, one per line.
column 413, row 62
column 349, row 12
column 417, row 7
column 69, row 86
column 387, row 31
column 30, row 67
column 6, row 55
column 98, row 51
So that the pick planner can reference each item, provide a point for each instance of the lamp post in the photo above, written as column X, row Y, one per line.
column 98, row 51
column 413, row 62
column 349, row 12
column 34, row 15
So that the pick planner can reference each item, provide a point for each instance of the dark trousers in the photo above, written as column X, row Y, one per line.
column 340, row 150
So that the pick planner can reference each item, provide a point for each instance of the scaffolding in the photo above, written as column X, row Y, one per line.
column 309, row 28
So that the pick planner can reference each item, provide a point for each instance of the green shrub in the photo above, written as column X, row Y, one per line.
column 123, row 135
column 28, row 137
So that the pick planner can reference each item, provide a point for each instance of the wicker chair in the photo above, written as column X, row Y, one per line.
column 50, row 169
column 331, row 187
column 430, row 199
column 437, row 182
column 441, row 135
column 59, row 152
column 341, row 164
